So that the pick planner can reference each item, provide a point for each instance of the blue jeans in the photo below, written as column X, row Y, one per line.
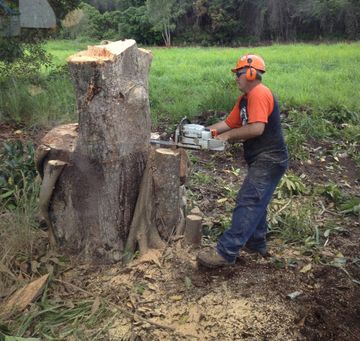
column 248, row 226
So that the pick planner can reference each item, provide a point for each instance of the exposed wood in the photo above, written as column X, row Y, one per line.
column 52, row 172
column 166, row 173
column 23, row 297
column 193, row 230
column 185, row 165
column 40, row 155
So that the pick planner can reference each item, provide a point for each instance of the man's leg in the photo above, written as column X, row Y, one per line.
column 257, row 242
column 250, row 211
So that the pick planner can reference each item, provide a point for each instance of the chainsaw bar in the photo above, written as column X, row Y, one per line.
column 173, row 144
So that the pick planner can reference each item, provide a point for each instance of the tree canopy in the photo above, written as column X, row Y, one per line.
column 231, row 22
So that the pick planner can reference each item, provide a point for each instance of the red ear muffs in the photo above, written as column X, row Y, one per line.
column 250, row 72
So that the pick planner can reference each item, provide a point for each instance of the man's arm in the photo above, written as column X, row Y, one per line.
column 221, row 127
column 246, row 132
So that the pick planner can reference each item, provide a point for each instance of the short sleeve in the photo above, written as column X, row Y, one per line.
column 260, row 105
column 233, row 119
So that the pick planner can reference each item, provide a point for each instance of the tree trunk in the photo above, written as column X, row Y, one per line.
column 96, row 195
column 100, row 161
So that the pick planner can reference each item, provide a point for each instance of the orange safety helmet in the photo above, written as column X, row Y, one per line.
column 253, row 63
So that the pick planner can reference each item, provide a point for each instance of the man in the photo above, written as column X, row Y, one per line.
column 254, row 120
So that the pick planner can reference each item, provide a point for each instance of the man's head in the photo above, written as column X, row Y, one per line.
column 249, row 69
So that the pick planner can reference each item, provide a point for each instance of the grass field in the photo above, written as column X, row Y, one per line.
column 188, row 81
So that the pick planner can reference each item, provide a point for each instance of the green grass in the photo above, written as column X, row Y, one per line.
column 188, row 81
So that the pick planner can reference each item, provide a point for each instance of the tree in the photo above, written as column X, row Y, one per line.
column 135, row 24
column 62, row 7
column 161, row 15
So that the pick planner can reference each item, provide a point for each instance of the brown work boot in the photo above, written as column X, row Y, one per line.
column 210, row 258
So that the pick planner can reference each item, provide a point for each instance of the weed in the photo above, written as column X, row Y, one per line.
column 61, row 321
column 342, row 115
column 17, row 171
column 202, row 178
column 351, row 206
column 235, row 171
column 295, row 142
column 19, row 237
column 19, row 191
column 332, row 191
column 231, row 191
column 295, row 224
column 213, row 230
column 289, row 185
column 140, row 288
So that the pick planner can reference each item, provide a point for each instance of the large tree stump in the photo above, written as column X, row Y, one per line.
column 101, row 160
column 96, row 194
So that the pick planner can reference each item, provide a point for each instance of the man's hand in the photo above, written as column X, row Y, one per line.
column 223, row 136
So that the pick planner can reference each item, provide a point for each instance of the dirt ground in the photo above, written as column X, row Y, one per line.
column 257, row 299
column 287, row 296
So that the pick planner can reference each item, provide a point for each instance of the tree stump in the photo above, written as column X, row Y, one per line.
column 193, row 230
column 91, row 198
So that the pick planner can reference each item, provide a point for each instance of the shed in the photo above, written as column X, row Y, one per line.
column 36, row 14
column 30, row 14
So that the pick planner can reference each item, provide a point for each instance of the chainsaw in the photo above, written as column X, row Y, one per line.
column 193, row 136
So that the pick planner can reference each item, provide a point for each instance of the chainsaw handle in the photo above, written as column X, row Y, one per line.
column 214, row 132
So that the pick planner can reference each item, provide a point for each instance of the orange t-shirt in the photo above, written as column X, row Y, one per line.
column 260, row 104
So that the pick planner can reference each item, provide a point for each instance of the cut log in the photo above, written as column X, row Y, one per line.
column 166, row 173
column 185, row 166
column 193, row 230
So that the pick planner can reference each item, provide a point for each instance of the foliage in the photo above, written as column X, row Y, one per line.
column 161, row 15
column 17, row 170
column 295, row 224
column 236, row 22
column 21, row 59
column 62, row 7
column 332, row 192
column 289, row 185
column 135, row 24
